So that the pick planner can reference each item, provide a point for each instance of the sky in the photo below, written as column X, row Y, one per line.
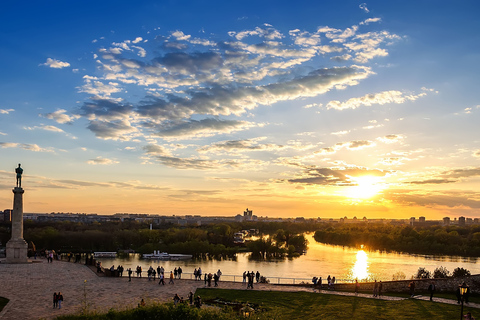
column 289, row 108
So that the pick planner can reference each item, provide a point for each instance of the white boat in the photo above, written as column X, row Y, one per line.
column 104, row 254
column 157, row 255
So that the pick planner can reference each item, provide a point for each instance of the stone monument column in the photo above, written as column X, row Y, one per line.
column 17, row 247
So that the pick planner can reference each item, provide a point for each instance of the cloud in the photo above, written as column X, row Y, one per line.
column 433, row 181
column 25, row 146
column 44, row 127
column 202, row 128
column 60, row 117
column 363, row 6
column 6, row 111
column 335, row 176
column 371, row 99
column 114, row 130
column 56, row 64
column 391, row 138
column 102, row 161
column 476, row 153
column 249, row 145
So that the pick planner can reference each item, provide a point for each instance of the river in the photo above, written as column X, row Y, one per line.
column 321, row 260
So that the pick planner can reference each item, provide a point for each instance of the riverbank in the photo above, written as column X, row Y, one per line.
column 30, row 288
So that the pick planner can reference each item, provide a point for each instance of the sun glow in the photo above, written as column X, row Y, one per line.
column 360, row 268
column 367, row 187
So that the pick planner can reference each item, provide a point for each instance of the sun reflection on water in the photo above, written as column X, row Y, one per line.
column 360, row 268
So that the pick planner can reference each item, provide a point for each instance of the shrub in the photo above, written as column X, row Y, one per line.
column 460, row 272
column 399, row 276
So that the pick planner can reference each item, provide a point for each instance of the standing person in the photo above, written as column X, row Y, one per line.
column 205, row 279
column 375, row 289
column 380, row 286
column 411, row 286
column 215, row 279
column 328, row 281
column 129, row 274
column 199, row 273
column 219, row 273
column 59, row 299
column 175, row 272
column 244, row 276
column 55, row 300
column 198, row 302
column 190, row 297
column 319, row 283
column 158, row 271
column 357, row 285
column 257, row 276
column 179, row 272
column 332, row 282
column 210, row 276
column 171, row 278
column 195, row 274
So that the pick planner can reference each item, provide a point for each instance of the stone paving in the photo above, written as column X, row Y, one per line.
column 30, row 288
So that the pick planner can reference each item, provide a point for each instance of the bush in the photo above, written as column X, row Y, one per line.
column 399, row 276
column 423, row 273
column 441, row 272
column 460, row 272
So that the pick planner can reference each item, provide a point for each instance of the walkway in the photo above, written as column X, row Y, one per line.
column 30, row 288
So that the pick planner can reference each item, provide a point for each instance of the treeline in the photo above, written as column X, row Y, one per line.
column 282, row 243
column 448, row 240
column 211, row 240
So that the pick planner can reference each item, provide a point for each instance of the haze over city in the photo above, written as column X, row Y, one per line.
column 305, row 108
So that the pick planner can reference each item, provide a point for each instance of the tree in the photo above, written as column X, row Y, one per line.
column 440, row 272
column 423, row 273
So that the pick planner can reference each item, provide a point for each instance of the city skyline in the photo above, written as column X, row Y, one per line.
column 309, row 109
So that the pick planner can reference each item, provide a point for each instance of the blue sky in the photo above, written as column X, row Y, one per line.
column 312, row 108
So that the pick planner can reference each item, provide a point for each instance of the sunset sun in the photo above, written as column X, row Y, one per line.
column 366, row 187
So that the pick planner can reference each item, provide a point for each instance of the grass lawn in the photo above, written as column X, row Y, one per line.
column 305, row 305
column 3, row 303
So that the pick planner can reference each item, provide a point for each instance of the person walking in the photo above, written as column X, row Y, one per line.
column 129, row 274
column 162, row 279
column 357, row 286
column 411, row 286
column 171, row 278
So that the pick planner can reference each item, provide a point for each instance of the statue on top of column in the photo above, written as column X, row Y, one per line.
column 19, row 172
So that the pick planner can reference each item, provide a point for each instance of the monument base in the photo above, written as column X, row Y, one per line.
column 17, row 251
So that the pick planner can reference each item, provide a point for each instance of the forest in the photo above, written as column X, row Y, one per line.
column 435, row 239
column 275, row 239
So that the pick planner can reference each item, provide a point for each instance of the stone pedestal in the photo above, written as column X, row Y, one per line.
column 17, row 247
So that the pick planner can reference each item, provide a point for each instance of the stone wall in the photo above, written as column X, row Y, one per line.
column 445, row 284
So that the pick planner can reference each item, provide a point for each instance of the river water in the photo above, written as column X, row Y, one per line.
column 321, row 260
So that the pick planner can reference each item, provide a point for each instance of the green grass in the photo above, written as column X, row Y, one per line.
column 3, row 303
column 304, row 305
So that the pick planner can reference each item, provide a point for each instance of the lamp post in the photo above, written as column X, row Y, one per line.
column 463, row 291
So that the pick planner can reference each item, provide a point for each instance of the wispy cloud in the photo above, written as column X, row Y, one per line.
column 56, row 64
column 380, row 98
column 6, row 111
column 25, row 146
column 102, row 161
column 60, row 116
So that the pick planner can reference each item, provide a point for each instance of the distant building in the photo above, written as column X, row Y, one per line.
column 461, row 221
column 7, row 215
column 469, row 221
column 446, row 221
column 248, row 215
column 412, row 221
column 421, row 219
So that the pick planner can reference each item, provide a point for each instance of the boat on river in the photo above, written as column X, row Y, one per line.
column 157, row 255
